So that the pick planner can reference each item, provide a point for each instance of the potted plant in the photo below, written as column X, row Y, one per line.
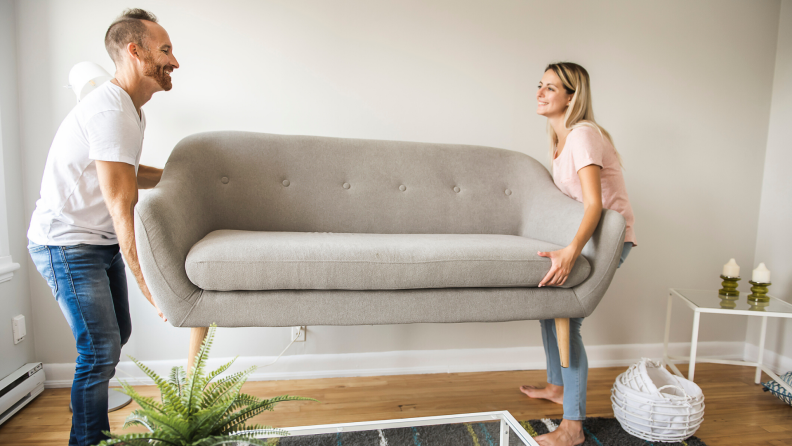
column 195, row 411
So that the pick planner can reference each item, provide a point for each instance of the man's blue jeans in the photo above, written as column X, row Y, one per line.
column 574, row 378
column 89, row 284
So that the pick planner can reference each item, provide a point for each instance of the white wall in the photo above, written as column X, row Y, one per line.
column 774, row 240
column 14, row 294
column 684, row 87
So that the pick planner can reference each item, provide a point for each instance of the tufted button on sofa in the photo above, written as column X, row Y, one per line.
column 258, row 230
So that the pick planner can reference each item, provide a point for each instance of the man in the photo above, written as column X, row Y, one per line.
column 83, row 223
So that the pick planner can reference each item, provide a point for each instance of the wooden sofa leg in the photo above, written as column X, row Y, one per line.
column 197, row 335
column 562, row 333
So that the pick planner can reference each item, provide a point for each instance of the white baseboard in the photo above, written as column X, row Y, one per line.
column 777, row 363
column 408, row 362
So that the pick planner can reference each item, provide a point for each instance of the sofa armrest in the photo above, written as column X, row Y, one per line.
column 553, row 217
column 168, row 222
column 603, row 251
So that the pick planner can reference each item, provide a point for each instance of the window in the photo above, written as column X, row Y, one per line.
column 7, row 267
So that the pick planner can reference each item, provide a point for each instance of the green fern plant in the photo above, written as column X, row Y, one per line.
column 194, row 411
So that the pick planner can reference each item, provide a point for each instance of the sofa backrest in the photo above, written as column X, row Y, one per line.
column 264, row 182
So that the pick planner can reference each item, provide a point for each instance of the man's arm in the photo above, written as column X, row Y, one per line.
column 147, row 177
column 119, row 188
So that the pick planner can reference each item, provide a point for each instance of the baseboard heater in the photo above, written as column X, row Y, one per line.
column 19, row 388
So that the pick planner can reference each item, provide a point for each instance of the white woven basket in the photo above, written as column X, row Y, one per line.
column 671, row 412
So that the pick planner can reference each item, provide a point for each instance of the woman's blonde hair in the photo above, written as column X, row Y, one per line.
column 576, row 82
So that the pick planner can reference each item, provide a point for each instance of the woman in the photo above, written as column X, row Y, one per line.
column 587, row 168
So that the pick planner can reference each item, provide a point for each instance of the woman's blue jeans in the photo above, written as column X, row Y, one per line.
column 575, row 377
column 89, row 284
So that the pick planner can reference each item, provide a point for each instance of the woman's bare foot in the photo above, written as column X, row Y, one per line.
column 551, row 392
column 569, row 433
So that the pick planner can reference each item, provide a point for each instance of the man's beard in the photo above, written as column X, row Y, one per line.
column 157, row 72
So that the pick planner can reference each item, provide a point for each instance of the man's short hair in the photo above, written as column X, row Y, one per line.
column 127, row 28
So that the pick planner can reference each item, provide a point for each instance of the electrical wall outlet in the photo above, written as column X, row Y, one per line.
column 298, row 333
column 18, row 323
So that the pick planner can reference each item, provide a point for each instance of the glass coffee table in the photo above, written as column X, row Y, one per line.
column 709, row 301
column 483, row 428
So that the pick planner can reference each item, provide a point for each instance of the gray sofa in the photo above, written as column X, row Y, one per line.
column 259, row 230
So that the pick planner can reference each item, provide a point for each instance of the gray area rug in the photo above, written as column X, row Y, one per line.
column 599, row 432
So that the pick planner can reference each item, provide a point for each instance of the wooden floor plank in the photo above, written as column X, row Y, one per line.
column 737, row 411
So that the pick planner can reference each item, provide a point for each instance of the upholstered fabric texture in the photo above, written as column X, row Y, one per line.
column 285, row 308
column 259, row 182
column 227, row 260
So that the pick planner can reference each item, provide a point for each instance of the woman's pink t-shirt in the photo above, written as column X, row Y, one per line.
column 586, row 146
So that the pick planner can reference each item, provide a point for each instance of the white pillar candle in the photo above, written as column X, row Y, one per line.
column 761, row 274
column 731, row 269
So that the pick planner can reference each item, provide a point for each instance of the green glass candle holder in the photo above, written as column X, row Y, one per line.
column 757, row 306
column 728, row 302
column 729, row 285
column 758, row 292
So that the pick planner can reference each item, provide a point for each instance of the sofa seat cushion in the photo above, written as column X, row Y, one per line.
column 228, row 260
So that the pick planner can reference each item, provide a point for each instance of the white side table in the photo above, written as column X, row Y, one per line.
column 708, row 301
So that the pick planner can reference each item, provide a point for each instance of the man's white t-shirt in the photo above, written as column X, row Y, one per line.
column 104, row 126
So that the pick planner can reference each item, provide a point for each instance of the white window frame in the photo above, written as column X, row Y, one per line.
column 7, row 266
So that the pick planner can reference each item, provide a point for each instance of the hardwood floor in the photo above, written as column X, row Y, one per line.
column 737, row 411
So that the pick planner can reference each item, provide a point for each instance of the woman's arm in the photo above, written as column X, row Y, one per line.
column 564, row 259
